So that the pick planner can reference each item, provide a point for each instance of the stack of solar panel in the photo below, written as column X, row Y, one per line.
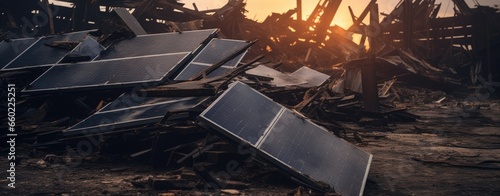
column 34, row 52
column 129, row 110
column 141, row 61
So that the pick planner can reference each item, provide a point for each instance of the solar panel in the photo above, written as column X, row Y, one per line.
column 107, row 73
column 152, row 44
column 246, row 116
column 39, row 54
column 88, row 47
column 195, row 68
column 11, row 49
column 312, row 150
column 313, row 77
column 215, row 51
column 135, row 114
column 279, row 79
column 132, row 99
column 293, row 143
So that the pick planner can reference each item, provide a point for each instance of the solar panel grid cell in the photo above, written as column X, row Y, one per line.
column 248, row 116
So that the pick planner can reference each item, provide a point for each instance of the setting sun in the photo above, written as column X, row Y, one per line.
column 260, row 9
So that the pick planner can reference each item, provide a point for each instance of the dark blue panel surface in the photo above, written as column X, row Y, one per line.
column 11, row 49
column 132, row 99
column 152, row 44
column 41, row 54
column 292, row 142
column 194, row 68
column 243, row 112
column 313, row 77
column 109, row 120
column 218, row 49
column 107, row 73
column 317, row 153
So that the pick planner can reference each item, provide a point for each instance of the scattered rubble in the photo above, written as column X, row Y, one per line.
column 222, row 102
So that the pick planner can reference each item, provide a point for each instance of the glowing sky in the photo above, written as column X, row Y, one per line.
column 260, row 9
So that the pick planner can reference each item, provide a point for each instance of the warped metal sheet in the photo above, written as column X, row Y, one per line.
column 130, row 113
column 215, row 51
column 290, row 141
column 313, row 77
column 153, row 44
column 130, row 21
column 105, row 74
column 353, row 80
column 195, row 68
column 12, row 48
column 39, row 54
column 279, row 79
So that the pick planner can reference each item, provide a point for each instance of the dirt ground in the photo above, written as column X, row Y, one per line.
column 449, row 151
column 454, row 149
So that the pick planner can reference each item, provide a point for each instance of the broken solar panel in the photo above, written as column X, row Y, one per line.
column 153, row 44
column 195, row 68
column 290, row 141
column 10, row 49
column 87, row 50
column 105, row 74
column 39, row 54
column 279, row 79
column 313, row 77
column 127, row 111
column 215, row 51
column 132, row 99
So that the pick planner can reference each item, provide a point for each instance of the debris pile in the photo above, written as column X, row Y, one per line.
column 195, row 90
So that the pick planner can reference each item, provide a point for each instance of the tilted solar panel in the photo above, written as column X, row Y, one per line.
column 194, row 68
column 107, row 73
column 132, row 99
column 39, row 54
column 215, row 51
column 13, row 48
column 279, row 79
column 288, row 140
column 153, row 44
column 314, row 151
column 313, row 77
column 245, row 116
column 138, row 113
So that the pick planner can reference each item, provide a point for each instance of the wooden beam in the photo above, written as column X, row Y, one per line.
column 369, row 80
column 299, row 10
column 363, row 15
